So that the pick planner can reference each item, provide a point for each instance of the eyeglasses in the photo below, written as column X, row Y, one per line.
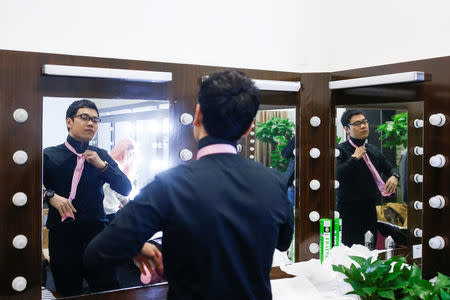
column 359, row 123
column 86, row 117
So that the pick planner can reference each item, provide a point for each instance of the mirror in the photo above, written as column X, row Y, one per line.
column 135, row 133
column 382, row 131
column 271, row 143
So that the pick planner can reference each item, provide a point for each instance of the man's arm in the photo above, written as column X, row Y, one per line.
column 112, row 174
column 130, row 229
column 347, row 165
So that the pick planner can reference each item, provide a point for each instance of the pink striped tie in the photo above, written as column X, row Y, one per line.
column 216, row 148
column 76, row 176
column 376, row 176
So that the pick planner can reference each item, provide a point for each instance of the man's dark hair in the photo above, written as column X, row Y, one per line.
column 75, row 106
column 348, row 114
column 228, row 101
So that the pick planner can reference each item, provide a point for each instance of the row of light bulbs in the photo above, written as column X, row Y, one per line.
column 436, row 161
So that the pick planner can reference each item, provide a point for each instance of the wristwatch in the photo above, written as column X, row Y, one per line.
column 48, row 195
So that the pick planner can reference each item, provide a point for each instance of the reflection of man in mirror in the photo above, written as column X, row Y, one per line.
column 359, row 166
column 222, row 215
column 74, row 175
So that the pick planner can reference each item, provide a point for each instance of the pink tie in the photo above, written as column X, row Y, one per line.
column 76, row 175
column 376, row 176
column 216, row 148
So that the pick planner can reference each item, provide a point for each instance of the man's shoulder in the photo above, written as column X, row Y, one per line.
column 54, row 149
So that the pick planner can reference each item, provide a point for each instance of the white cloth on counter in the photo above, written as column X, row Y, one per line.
column 280, row 258
column 318, row 281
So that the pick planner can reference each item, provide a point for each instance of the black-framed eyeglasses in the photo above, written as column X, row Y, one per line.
column 359, row 123
column 86, row 117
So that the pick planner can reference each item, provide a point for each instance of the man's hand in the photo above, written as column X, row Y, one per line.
column 93, row 158
column 359, row 152
column 151, row 258
column 391, row 184
column 63, row 205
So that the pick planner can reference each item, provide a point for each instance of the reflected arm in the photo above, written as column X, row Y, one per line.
column 118, row 181
column 131, row 228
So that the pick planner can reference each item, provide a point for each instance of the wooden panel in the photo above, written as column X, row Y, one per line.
column 315, row 101
column 23, row 86
column 415, row 165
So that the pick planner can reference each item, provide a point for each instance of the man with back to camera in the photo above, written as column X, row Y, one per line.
column 222, row 215
column 360, row 184
column 76, row 211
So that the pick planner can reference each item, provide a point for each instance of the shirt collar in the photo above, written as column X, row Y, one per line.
column 80, row 147
column 209, row 140
column 358, row 142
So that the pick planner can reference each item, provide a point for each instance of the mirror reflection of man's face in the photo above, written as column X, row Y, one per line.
column 83, row 130
column 361, row 131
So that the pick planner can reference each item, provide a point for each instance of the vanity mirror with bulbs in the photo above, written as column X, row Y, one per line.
column 421, row 89
column 156, row 113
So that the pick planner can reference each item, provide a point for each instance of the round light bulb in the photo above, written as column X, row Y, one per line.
column 314, row 248
column 437, row 243
column 314, row 121
column 437, row 202
column 20, row 115
column 252, row 133
column 185, row 155
column 418, row 178
column 418, row 150
column 337, row 214
column 314, row 184
column 314, row 153
column 337, row 152
column 252, row 149
column 314, row 216
column 437, row 120
column 239, row 147
column 19, row 283
column 251, row 157
column 418, row 232
column 418, row 123
column 336, row 184
column 186, row 118
column 252, row 141
column 437, row 161
column 20, row 241
column 19, row 199
column 418, row 205
column 20, row 157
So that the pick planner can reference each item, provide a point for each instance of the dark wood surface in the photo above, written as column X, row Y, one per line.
column 315, row 101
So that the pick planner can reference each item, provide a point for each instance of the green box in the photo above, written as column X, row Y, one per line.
column 325, row 238
column 337, row 232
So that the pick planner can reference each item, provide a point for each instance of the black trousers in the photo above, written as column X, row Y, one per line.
column 67, row 243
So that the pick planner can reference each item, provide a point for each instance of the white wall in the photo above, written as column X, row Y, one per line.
column 259, row 34
column 367, row 33
column 284, row 35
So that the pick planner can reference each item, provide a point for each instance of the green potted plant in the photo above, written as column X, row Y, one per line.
column 391, row 279
column 276, row 132
column 394, row 133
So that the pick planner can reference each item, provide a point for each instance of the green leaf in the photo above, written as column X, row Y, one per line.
column 369, row 290
column 386, row 294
